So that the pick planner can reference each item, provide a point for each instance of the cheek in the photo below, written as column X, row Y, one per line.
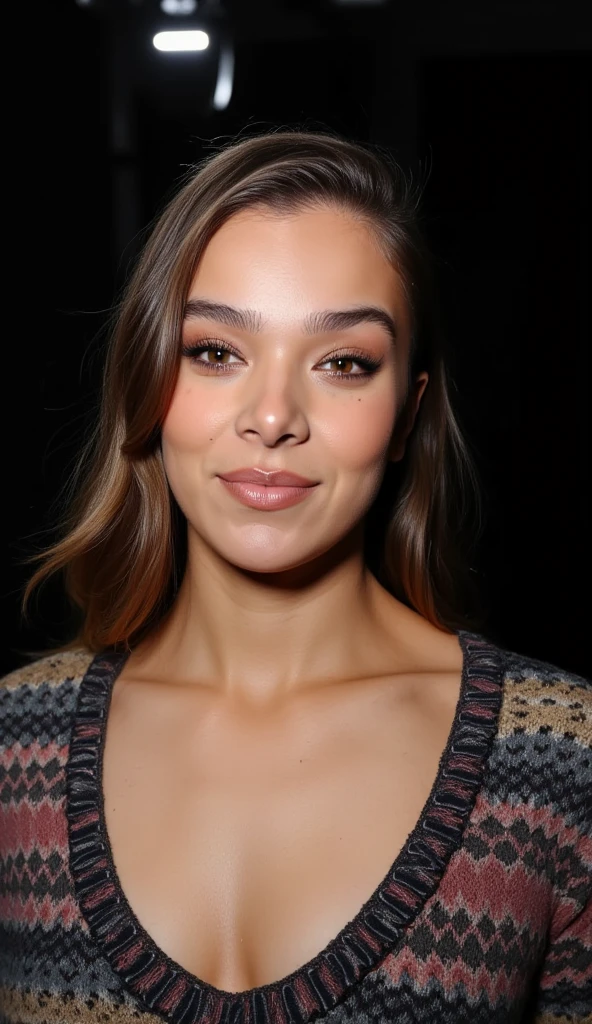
column 358, row 432
column 187, row 434
column 191, row 421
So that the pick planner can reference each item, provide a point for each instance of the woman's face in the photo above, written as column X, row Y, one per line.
column 296, row 370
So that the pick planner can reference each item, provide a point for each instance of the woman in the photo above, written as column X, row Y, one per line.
column 268, row 784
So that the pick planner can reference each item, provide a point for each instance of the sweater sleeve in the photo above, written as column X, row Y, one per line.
column 547, row 721
column 565, row 987
column 565, row 982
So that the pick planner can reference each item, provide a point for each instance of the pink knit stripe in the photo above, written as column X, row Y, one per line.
column 489, row 887
column 551, row 823
column 495, row 985
column 25, row 827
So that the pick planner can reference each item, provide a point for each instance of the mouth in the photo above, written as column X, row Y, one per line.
column 258, row 475
column 268, row 497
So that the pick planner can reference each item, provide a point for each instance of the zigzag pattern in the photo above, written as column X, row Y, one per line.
column 547, row 771
column 34, row 775
column 382, row 1003
column 520, row 668
column 55, row 959
column 536, row 839
column 38, row 714
column 570, row 1001
column 498, row 932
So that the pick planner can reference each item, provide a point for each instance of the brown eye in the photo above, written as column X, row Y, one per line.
column 343, row 364
column 211, row 356
column 351, row 366
column 219, row 353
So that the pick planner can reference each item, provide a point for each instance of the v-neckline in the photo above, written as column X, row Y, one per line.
column 311, row 991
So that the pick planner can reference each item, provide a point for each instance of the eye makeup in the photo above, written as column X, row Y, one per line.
column 194, row 350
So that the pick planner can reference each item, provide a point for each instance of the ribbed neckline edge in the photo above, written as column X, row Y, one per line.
column 311, row 991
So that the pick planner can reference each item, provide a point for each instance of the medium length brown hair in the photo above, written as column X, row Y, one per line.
column 123, row 542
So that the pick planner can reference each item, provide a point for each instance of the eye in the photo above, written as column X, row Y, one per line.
column 345, row 361
column 218, row 363
column 216, row 360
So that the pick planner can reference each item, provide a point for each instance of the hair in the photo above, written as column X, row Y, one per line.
column 122, row 544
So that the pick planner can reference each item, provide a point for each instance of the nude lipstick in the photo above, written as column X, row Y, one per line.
column 265, row 489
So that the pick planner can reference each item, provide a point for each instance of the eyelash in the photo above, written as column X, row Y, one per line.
column 369, row 366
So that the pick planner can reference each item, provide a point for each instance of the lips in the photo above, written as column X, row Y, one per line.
column 268, row 478
column 267, row 490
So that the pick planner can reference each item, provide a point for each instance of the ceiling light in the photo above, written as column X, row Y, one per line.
column 178, row 7
column 224, row 81
column 181, row 41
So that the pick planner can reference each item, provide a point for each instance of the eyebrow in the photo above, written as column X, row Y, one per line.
column 315, row 323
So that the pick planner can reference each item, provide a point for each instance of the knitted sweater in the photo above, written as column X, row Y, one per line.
column 485, row 915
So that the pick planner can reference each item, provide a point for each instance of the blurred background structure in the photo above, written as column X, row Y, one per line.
column 488, row 102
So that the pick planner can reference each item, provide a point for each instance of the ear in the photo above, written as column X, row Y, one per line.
column 406, row 419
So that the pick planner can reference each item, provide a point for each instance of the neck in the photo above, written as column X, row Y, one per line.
column 261, row 636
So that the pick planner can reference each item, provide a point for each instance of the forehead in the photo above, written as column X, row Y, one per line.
column 310, row 259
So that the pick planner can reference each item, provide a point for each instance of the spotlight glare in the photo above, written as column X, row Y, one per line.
column 224, row 82
column 178, row 7
column 177, row 42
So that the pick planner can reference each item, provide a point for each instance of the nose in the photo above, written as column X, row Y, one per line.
column 271, row 408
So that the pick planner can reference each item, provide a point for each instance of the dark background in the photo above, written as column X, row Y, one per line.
column 490, row 102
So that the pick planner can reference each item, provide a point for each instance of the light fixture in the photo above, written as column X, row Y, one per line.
column 225, row 78
column 181, row 42
column 178, row 8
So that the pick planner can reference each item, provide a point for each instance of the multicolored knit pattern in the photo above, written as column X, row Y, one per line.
column 485, row 916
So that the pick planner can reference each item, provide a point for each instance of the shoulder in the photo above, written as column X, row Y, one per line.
column 530, row 831
column 37, row 703
column 63, row 666
column 540, row 698
column 541, row 753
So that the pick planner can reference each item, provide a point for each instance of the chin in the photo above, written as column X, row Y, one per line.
column 265, row 561
column 266, row 557
column 267, row 549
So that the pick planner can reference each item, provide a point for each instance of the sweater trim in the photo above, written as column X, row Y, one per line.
column 312, row 990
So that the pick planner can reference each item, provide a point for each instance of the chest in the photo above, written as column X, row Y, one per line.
column 245, row 842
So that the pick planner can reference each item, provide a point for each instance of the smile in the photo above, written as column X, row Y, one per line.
column 269, row 497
